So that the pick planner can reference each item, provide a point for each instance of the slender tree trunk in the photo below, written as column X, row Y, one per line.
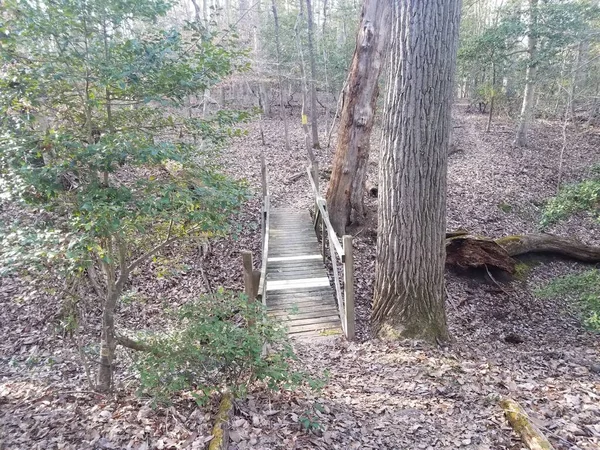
column 314, row 116
column 279, row 78
column 108, row 344
column 409, row 281
column 530, row 76
column 345, row 195
column 488, row 128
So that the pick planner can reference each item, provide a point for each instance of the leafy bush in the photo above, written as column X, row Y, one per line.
column 584, row 288
column 221, row 342
column 584, row 196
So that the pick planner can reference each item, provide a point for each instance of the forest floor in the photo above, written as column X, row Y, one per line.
column 378, row 395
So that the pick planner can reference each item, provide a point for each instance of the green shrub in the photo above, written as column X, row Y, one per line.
column 584, row 288
column 221, row 342
column 584, row 196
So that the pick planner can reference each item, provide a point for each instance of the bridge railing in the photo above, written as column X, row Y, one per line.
column 265, row 224
column 340, row 253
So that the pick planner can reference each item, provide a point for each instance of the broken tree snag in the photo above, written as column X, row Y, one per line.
column 466, row 252
column 518, row 419
column 549, row 243
column 220, row 432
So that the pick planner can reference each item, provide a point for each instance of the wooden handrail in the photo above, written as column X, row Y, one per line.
column 321, row 204
column 266, row 218
column 345, row 301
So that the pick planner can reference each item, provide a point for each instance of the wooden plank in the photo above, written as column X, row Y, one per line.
column 282, row 285
column 306, row 293
column 294, row 258
column 349, row 318
column 297, row 270
column 299, row 293
column 332, row 319
column 262, row 285
column 302, row 304
column 303, row 313
column 312, row 335
column 315, row 327
column 289, row 315
column 279, row 276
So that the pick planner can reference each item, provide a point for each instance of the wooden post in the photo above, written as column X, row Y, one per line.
column 263, row 173
column 314, row 169
column 349, row 326
column 323, row 237
column 249, row 285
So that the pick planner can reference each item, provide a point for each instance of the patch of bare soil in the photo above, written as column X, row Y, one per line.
column 378, row 395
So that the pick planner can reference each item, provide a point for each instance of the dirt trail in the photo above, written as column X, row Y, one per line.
column 383, row 395
column 379, row 395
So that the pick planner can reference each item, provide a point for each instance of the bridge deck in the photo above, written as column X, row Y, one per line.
column 298, row 288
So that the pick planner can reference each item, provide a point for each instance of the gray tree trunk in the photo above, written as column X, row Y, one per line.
column 279, row 78
column 314, row 116
column 409, row 281
column 530, row 75
column 345, row 195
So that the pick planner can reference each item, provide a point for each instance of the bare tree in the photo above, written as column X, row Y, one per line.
column 345, row 194
column 279, row 78
column 314, row 116
column 409, row 281
column 530, row 75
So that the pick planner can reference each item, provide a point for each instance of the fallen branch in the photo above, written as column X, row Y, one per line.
column 136, row 345
column 531, row 436
column 220, row 432
column 295, row 177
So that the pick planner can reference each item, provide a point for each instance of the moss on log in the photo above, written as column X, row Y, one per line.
column 518, row 419
column 220, row 439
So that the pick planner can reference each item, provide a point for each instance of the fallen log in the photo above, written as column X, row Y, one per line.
column 518, row 419
column 549, row 243
column 220, row 432
column 295, row 177
column 467, row 251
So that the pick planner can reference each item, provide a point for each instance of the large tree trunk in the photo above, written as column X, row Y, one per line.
column 409, row 280
column 530, row 75
column 314, row 116
column 345, row 195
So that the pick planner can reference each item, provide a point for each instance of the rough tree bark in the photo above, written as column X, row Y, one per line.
column 279, row 78
column 313, row 75
column 345, row 195
column 409, row 280
column 530, row 75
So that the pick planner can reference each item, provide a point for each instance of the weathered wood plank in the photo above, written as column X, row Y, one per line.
column 334, row 325
column 315, row 311
column 292, row 317
column 319, row 321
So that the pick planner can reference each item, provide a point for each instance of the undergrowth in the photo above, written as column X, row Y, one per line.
column 220, row 343
column 583, row 196
column 584, row 289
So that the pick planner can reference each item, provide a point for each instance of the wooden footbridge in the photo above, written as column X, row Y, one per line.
column 293, row 282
